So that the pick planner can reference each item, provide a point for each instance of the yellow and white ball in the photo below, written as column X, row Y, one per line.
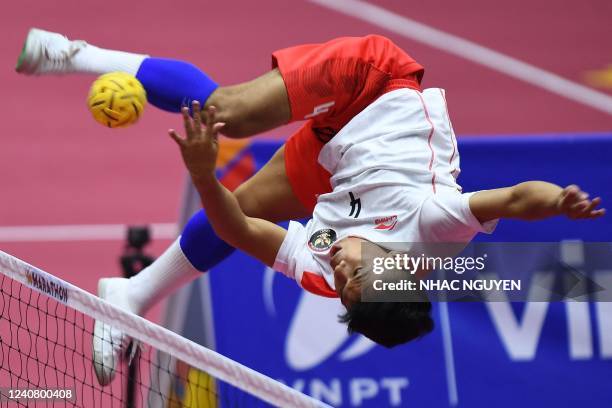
column 116, row 99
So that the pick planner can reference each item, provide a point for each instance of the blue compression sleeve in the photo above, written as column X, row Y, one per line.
column 201, row 245
column 171, row 84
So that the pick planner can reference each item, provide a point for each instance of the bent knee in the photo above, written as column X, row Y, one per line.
column 230, row 110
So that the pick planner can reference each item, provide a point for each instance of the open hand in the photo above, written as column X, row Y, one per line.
column 575, row 204
column 200, row 148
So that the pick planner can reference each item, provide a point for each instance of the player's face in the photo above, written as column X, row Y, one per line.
column 346, row 262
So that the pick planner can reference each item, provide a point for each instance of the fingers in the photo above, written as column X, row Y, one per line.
column 574, row 200
column 176, row 137
column 217, row 127
column 589, row 210
column 197, row 116
column 598, row 213
column 579, row 206
column 213, row 127
column 193, row 125
column 210, row 117
column 586, row 209
column 193, row 122
column 569, row 196
column 187, row 122
column 596, row 201
column 575, row 204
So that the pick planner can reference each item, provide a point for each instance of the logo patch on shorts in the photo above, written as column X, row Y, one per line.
column 322, row 240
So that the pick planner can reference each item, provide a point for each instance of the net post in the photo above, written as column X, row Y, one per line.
column 133, row 260
column 176, row 305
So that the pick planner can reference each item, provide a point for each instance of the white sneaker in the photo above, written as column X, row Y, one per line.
column 45, row 52
column 110, row 344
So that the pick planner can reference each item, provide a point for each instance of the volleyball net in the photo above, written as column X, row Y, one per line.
column 46, row 332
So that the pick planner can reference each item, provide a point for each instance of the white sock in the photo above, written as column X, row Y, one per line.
column 95, row 60
column 168, row 273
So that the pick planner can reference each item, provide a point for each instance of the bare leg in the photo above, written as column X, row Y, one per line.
column 247, row 108
column 252, row 107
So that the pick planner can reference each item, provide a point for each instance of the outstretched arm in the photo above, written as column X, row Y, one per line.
column 259, row 238
column 534, row 200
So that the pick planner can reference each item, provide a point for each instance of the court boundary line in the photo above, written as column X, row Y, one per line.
column 80, row 232
column 471, row 51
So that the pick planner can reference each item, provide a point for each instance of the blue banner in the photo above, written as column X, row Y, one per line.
column 479, row 355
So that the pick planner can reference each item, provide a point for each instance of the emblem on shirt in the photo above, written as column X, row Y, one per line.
column 386, row 223
column 355, row 205
column 322, row 240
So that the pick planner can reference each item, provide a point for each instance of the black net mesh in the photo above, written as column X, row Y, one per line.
column 46, row 360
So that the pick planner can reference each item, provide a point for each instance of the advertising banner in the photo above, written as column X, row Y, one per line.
column 480, row 354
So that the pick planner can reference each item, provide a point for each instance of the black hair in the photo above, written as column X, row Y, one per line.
column 389, row 323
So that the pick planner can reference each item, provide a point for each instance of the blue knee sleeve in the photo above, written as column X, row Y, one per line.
column 171, row 84
column 201, row 245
